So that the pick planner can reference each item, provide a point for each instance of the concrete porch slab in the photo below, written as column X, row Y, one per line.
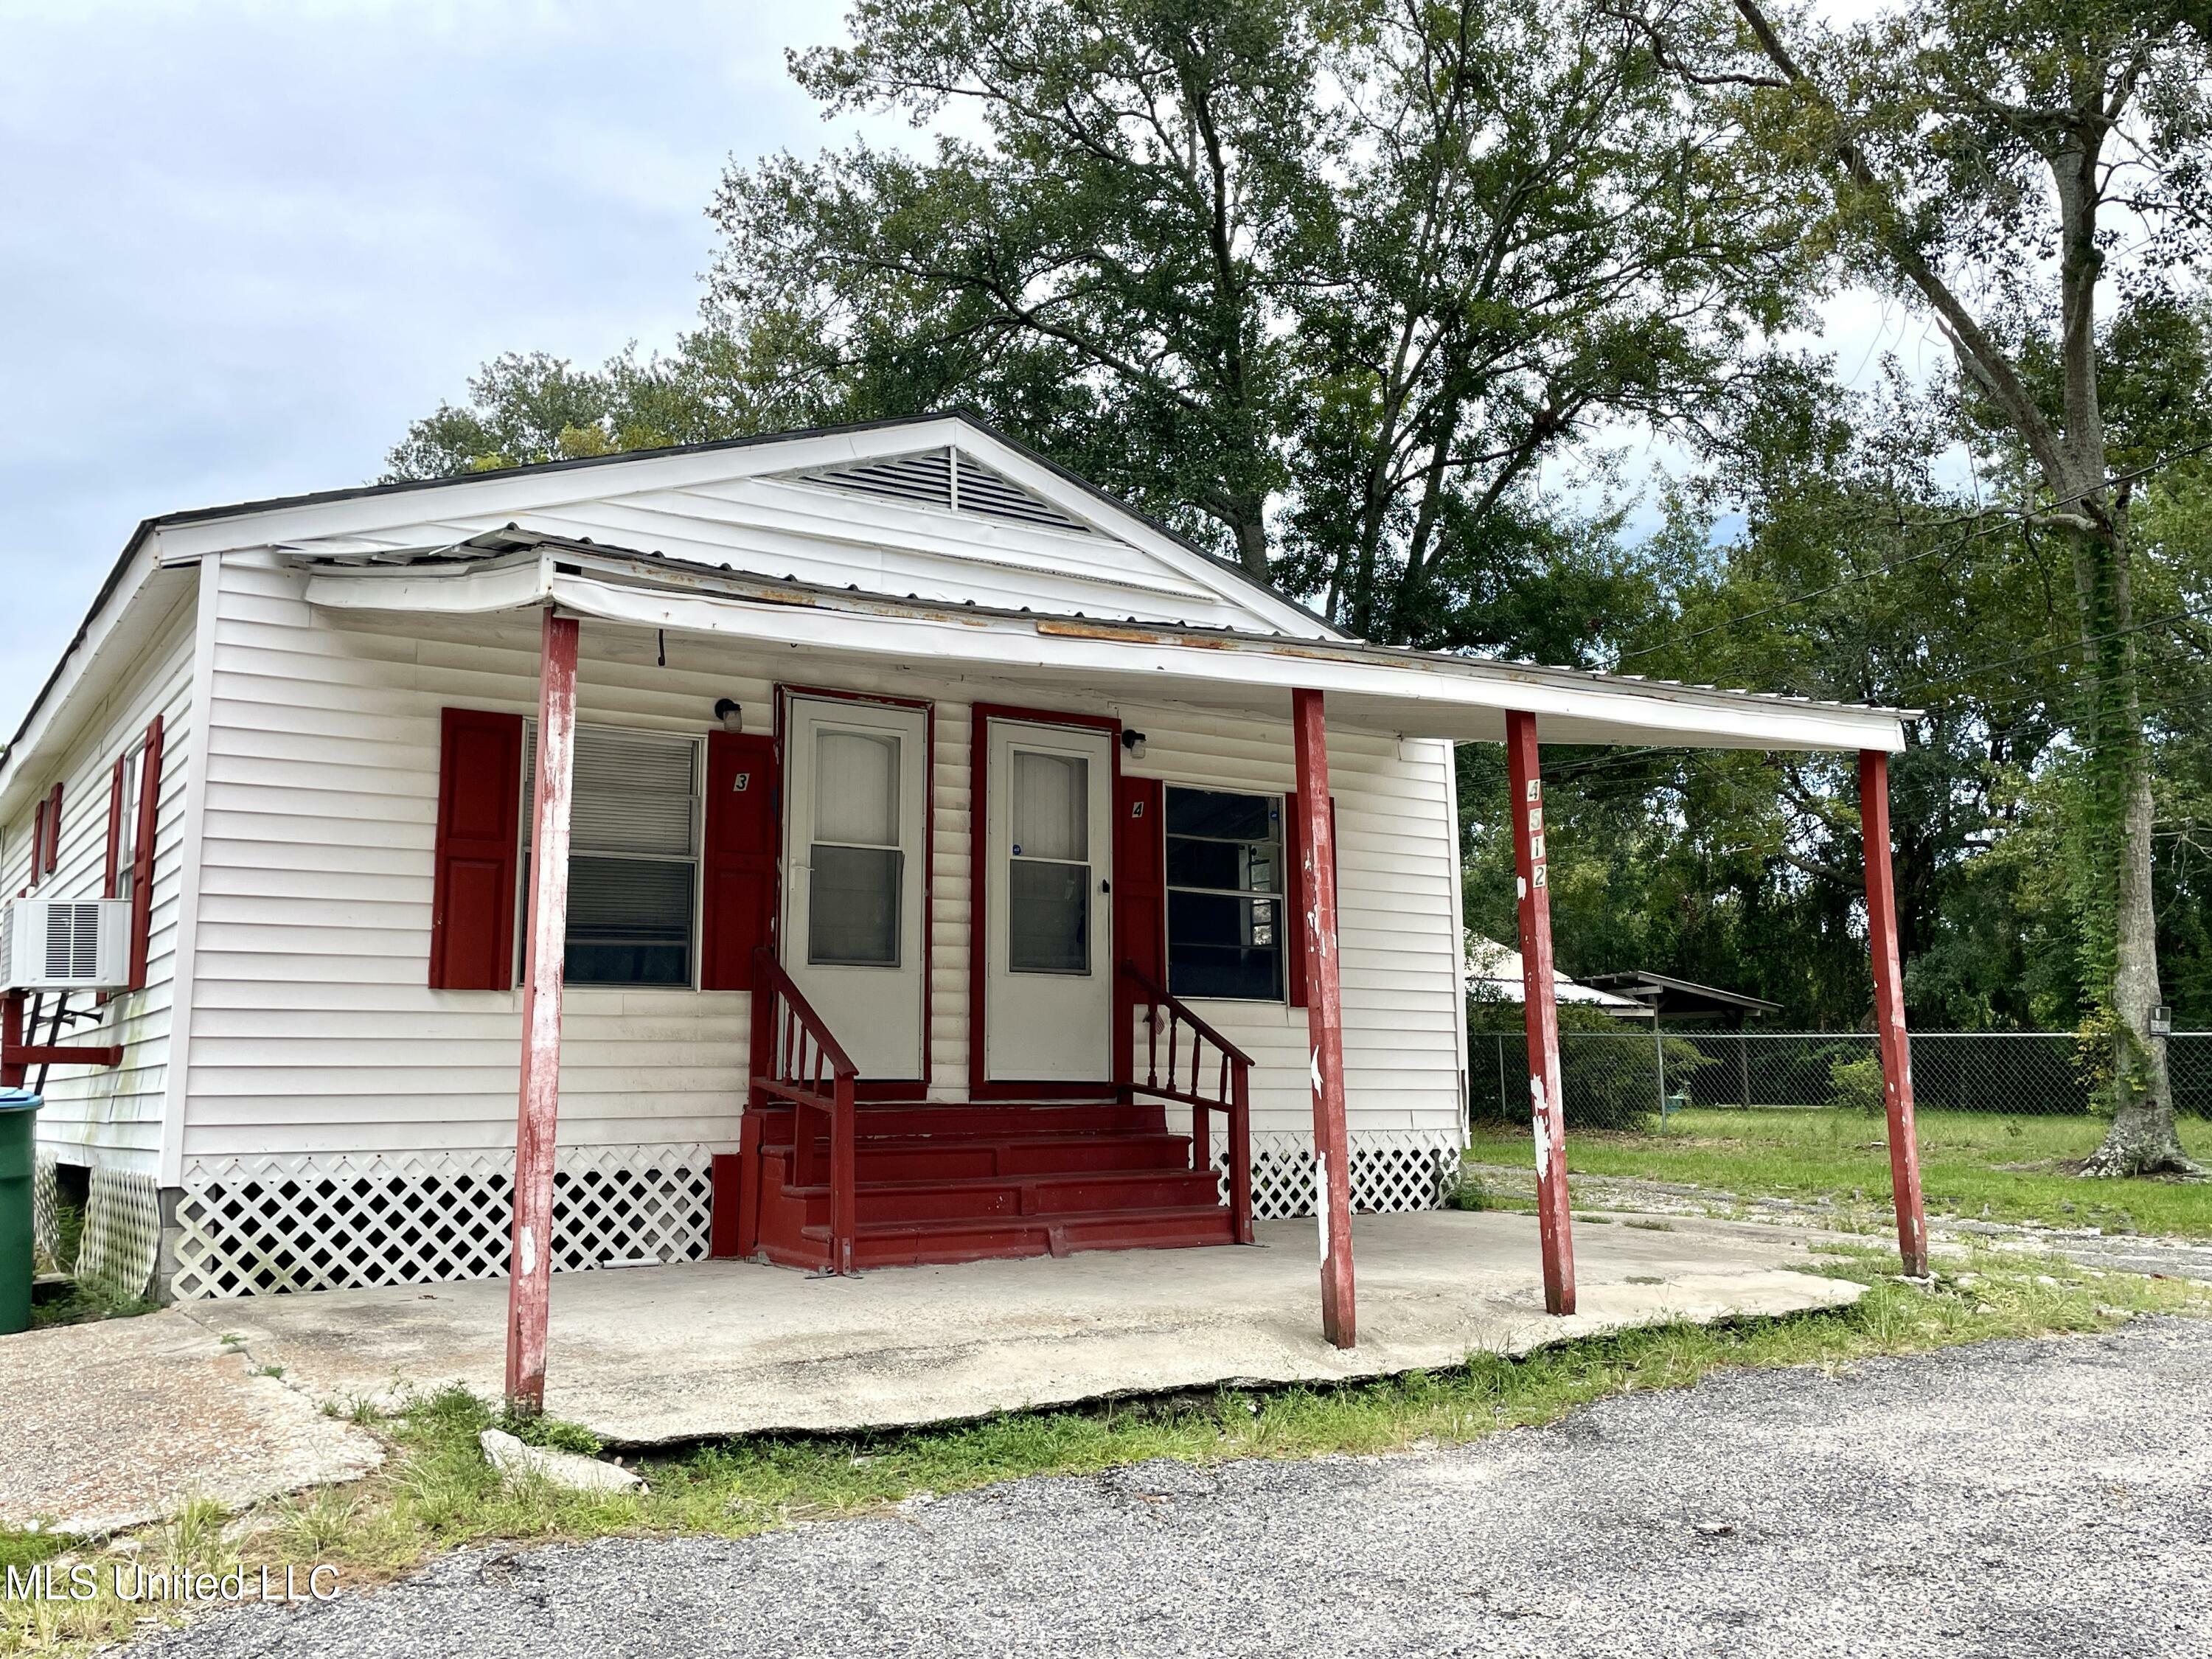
column 651, row 1355
column 112, row 1424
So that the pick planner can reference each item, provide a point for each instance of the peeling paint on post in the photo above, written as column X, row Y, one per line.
column 530, row 1264
column 1889, row 1011
column 1324, row 1021
column 1547, row 1105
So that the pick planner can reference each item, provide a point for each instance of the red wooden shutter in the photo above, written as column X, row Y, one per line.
column 115, row 785
column 1141, row 916
column 54, row 827
column 738, row 873
column 141, row 855
column 479, row 815
column 1294, row 892
column 1294, row 900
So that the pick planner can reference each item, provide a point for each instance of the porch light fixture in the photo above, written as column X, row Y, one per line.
column 1134, row 743
column 731, row 716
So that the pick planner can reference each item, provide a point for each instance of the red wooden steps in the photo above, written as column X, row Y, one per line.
column 964, row 1183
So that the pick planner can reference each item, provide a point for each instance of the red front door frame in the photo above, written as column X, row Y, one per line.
column 903, row 1088
column 979, row 1087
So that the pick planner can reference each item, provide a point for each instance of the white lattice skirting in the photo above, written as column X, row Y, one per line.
column 45, row 1218
column 122, row 1237
column 1391, row 1169
column 247, row 1226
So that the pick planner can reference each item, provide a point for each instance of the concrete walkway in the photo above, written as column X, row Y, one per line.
column 110, row 1424
column 653, row 1355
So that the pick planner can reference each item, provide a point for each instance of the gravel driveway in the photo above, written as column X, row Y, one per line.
column 2012, row 1499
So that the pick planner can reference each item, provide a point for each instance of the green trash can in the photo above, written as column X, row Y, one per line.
column 18, row 1118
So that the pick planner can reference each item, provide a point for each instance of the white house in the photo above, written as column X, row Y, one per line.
column 895, row 739
column 1498, row 973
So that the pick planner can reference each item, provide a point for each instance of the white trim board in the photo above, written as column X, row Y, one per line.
column 1410, row 693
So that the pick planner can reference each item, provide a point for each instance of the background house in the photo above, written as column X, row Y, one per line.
column 1497, row 973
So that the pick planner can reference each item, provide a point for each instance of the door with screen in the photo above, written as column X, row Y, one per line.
column 856, row 791
column 1048, row 917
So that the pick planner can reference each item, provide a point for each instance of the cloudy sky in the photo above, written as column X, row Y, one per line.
column 245, row 242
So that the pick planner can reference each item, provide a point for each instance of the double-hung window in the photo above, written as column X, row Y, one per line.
column 633, row 856
column 126, row 824
column 1048, row 877
column 1225, row 882
column 855, row 867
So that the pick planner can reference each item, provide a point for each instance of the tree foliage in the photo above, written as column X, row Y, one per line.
column 1325, row 284
column 1348, row 289
column 2010, row 168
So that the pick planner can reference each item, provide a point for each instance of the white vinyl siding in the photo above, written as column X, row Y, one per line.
column 111, row 1116
column 1397, row 918
column 313, row 1029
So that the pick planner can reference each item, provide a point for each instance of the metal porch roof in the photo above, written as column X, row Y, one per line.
column 1387, row 687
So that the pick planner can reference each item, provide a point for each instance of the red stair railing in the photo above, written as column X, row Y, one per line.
column 1188, row 1040
column 796, row 1058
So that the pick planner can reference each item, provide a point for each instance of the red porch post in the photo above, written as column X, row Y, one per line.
column 11, row 1038
column 1325, row 1023
column 1889, row 1011
column 1547, row 1103
column 530, row 1262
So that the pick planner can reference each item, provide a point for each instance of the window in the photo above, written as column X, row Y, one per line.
column 633, row 855
column 854, row 867
column 126, row 826
column 1225, row 881
column 1048, row 876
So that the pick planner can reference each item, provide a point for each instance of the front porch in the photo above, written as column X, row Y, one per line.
column 870, row 952
column 655, row 1355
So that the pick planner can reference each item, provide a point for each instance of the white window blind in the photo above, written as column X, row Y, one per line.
column 633, row 792
column 856, row 789
column 1052, row 807
column 633, row 854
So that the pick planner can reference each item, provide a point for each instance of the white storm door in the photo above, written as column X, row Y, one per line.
column 1048, row 907
column 856, row 791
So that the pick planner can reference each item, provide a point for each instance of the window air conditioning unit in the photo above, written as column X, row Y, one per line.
column 65, row 945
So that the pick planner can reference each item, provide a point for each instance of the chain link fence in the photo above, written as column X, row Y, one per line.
column 1618, row 1079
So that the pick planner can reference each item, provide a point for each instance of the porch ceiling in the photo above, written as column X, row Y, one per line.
column 1374, row 688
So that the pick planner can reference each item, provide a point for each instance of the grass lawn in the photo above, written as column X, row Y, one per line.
column 1972, row 1164
column 435, row 1492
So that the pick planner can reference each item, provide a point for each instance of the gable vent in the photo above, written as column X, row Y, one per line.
column 946, row 478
